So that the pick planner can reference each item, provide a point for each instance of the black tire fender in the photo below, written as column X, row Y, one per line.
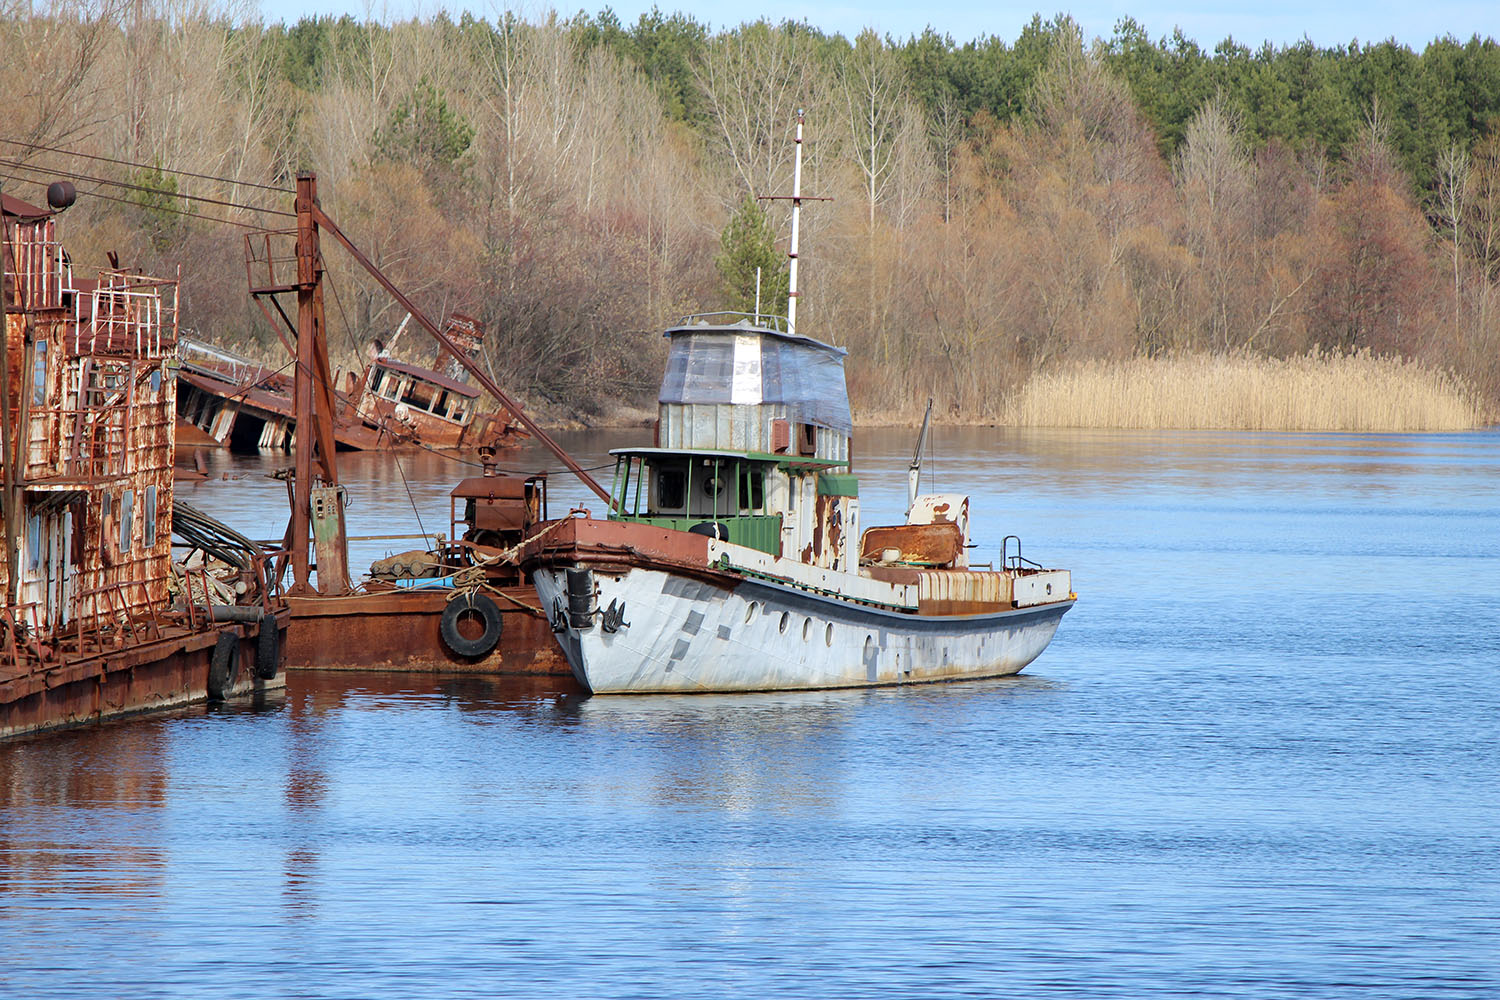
column 461, row 606
column 713, row 529
column 268, row 648
column 223, row 665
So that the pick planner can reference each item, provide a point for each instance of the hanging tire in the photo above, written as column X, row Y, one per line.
column 464, row 609
column 268, row 648
column 223, row 665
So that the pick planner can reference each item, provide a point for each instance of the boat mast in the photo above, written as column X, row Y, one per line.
column 796, row 199
column 914, row 472
column 791, row 297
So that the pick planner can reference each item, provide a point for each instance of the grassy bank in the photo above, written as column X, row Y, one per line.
column 1312, row 392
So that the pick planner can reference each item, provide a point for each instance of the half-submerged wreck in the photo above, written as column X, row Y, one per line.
column 88, row 626
column 727, row 561
column 226, row 400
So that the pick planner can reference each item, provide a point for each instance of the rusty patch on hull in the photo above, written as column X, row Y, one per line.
column 398, row 630
column 152, row 676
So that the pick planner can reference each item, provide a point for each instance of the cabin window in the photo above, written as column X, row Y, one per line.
column 752, row 489
column 621, row 490
column 148, row 513
column 39, row 373
column 376, row 380
column 420, row 394
column 127, row 519
column 671, row 488
column 807, row 439
column 33, row 542
column 156, row 381
column 460, row 409
column 77, row 515
column 441, row 407
column 639, row 468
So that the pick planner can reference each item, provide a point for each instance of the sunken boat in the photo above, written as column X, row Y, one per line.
column 229, row 400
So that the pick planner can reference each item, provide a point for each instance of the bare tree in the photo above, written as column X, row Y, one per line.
column 52, row 96
column 755, row 80
column 1214, row 177
column 1452, row 206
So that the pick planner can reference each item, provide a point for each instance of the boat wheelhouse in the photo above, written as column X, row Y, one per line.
column 752, row 443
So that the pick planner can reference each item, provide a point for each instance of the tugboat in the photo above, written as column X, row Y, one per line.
column 726, row 561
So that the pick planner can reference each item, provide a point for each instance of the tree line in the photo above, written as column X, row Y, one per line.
column 578, row 183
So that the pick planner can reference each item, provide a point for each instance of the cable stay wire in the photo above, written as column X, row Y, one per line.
column 142, row 166
column 157, row 208
column 147, row 189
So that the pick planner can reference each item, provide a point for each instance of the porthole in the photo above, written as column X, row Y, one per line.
column 750, row 612
column 806, row 628
column 828, row 635
column 785, row 619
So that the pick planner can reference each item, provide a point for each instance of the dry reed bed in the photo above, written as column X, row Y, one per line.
column 1311, row 392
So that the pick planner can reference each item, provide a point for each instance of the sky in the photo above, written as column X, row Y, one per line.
column 1281, row 22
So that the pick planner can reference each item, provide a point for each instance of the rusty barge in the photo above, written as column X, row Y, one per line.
column 465, row 605
column 96, row 619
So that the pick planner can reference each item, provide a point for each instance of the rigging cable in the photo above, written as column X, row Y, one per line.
column 141, row 166
column 159, row 208
column 148, row 189
column 411, row 499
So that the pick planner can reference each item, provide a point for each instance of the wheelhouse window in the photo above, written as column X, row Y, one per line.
column 148, row 515
column 752, row 490
column 33, row 542
column 420, row 394
column 670, row 489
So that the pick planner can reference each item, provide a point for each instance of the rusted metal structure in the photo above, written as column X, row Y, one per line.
column 468, row 607
column 270, row 275
column 463, row 607
column 88, row 629
column 390, row 404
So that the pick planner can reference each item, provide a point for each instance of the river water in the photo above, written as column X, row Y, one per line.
column 1257, row 761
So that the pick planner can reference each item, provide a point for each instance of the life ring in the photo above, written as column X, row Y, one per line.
column 462, row 607
column 713, row 529
column 268, row 648
column 223, row 665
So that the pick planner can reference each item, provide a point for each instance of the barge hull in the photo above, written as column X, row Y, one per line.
column 399, row 630
column 151, row 676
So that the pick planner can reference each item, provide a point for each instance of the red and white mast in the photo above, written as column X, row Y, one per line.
column 791, row 298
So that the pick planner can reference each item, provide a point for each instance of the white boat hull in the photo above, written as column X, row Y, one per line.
column 685, row 633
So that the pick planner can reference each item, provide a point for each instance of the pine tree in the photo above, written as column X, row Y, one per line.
column 748, row 243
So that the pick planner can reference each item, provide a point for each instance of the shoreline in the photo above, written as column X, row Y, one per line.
column 902, row 423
